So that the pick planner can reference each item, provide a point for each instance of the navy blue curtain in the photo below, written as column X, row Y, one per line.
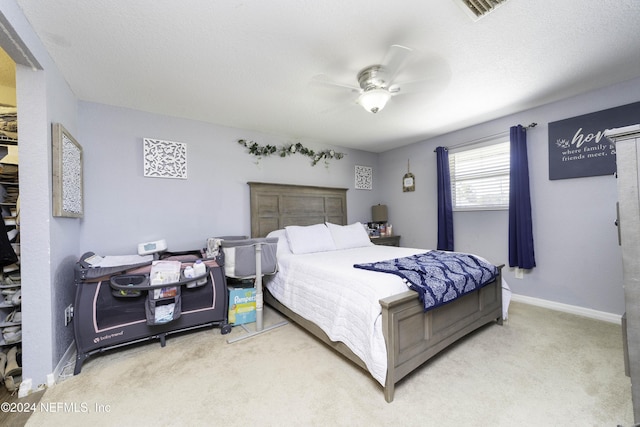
column 445, row 207
column 521, row 252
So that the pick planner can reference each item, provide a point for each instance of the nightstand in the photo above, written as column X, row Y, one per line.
column 386, row 240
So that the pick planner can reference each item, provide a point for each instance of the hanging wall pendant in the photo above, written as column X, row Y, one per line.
column 408, row 181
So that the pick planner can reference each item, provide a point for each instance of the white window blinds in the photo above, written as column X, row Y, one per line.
column 480, row 177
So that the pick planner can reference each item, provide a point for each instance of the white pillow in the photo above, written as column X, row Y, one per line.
column 308, row 239
column 349, row 236
column 283, row 244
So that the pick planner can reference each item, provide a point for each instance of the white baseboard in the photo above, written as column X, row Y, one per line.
column 26, row 386
column 572, row 309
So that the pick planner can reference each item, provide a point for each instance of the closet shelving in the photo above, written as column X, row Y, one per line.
column 10, row 278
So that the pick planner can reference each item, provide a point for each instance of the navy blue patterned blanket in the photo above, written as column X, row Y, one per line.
column 438, row 277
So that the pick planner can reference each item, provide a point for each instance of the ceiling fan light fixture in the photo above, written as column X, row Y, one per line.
column 374, row 100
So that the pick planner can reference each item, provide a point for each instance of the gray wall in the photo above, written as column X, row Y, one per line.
column 123, row 208
column 577, row 253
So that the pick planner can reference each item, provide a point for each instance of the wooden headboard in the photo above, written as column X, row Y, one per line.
column 274, row 206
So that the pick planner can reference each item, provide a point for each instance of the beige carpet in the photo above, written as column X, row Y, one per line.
column 542, row 368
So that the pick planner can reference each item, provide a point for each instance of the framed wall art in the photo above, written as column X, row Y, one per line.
column 68, row 183
column 578, row 147
column 164, row 159
column 364, row 178
column 408, row 180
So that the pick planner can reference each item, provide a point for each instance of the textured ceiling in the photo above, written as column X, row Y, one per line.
column 249, row 63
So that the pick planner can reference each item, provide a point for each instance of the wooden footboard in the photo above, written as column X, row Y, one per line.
column 413, row 336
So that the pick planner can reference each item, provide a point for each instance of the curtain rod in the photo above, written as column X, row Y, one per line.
column 486, row 138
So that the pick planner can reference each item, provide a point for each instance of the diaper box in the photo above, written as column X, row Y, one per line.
column 242, row 305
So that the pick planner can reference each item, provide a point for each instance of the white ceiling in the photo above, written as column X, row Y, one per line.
column 249, row 63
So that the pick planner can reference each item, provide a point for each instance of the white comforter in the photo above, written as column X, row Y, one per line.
column 324, row 288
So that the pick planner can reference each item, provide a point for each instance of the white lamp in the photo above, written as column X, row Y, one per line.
column 374, row 100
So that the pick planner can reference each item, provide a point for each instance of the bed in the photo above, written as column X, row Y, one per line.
column 385, row 330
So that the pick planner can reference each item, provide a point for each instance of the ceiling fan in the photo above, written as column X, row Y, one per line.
column 376, row 82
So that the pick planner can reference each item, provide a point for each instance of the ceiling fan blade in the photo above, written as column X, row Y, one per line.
column 432, row 75
column 417, row 86
column 339, row 108
column 394, row 60
column 323, row 80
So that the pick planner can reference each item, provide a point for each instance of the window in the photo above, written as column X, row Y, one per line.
column 480, row 177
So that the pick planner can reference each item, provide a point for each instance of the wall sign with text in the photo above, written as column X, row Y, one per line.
column 578, row 147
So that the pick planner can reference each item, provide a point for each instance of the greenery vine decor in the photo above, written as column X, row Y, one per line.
column 261, row 151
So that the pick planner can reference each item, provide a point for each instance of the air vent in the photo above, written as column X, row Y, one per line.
column 479, row 8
